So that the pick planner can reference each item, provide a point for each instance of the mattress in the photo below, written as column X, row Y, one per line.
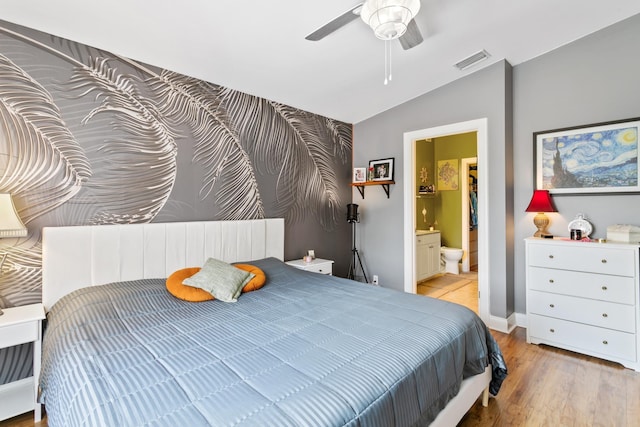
column 305, row 350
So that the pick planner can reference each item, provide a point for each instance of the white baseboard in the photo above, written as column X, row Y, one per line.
column 503, row 325
column 521, row 320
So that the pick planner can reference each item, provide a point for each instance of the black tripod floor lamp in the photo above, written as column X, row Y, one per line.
column 353, row 217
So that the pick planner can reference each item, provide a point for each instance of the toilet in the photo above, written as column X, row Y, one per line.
column 451, row 258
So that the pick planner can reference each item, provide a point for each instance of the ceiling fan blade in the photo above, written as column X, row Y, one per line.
column 339, row 22
column 412, row 37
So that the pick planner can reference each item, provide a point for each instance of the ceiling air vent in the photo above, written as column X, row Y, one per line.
column 472, row 60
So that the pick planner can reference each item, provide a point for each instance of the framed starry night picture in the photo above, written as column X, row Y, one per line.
column 597, row 158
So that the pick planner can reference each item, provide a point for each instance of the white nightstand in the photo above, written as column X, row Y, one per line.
column 19, row 325
column 318, row 265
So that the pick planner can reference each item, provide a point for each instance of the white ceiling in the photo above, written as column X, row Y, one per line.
column 258, row 47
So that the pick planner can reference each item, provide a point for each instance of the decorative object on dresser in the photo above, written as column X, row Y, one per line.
column 316, row 265
column 623, row 233
column 540, row 203
column 353, row 217
column 22, row 325
column 583, row 297
column 580, row 227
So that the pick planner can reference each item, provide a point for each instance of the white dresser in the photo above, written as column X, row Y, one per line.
column 583, row 297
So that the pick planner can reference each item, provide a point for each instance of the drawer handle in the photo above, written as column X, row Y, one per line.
column 605, row 315
column 604, row 261
column 551, row 305
column 604, row 288
column 551, row 256
column 552, row 330
column 605, row 342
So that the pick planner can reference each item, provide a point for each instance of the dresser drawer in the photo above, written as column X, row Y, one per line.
column 603, row 287
column 596, row 341
column 18, row 333
column 324, row 268
column 318, row 265
column 591, row 259
column 598, row 313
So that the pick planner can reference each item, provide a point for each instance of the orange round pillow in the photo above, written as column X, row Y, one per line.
column 258, row 279
column 184, row 292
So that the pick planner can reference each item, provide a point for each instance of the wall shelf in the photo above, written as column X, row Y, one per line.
column 384, row 184
column 426, row 195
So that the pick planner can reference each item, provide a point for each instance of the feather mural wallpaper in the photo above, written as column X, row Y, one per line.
column 88, row 137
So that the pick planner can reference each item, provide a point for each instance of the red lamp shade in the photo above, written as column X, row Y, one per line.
column 541, row 202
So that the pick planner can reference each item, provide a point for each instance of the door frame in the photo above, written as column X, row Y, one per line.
column 465, row 167
column 480, row 127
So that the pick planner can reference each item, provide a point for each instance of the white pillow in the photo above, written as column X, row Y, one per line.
column 220, row 279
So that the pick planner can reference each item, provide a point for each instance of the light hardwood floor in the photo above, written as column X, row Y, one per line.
column 545, row 387
column 553, row 387
column 461, row 288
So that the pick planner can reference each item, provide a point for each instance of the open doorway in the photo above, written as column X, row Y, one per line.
column 410, row 138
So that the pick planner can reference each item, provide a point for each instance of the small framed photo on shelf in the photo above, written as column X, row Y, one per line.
column 382, row 169
column 359, row 174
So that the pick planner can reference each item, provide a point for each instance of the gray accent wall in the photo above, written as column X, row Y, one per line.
column 90, row 137
column 592, row 80
column 483, row 94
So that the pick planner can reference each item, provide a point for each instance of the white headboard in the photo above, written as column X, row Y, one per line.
column 76, row 257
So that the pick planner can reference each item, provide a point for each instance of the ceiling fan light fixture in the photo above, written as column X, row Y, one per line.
column 389, row 18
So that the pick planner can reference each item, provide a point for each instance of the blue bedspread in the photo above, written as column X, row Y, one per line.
column 305, row 350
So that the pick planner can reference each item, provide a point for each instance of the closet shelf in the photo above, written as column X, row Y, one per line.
column 384, row 184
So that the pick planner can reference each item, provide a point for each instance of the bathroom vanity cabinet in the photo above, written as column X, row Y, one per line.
column 427, row 254
column 584, row 297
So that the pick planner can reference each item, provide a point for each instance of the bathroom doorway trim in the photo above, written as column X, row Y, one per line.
column 465, row 168
column 479, row 126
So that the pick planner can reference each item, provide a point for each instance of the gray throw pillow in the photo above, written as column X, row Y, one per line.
column 220, row 279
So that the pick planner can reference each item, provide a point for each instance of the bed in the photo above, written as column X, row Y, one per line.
column 304, row 350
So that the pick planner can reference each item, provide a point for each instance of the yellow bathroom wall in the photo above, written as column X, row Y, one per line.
column 425, row 175
column 448, row 203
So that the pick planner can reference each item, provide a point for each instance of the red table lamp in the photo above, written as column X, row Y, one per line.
column 541, row 203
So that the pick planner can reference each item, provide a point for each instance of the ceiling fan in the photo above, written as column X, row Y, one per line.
column 389, row 19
